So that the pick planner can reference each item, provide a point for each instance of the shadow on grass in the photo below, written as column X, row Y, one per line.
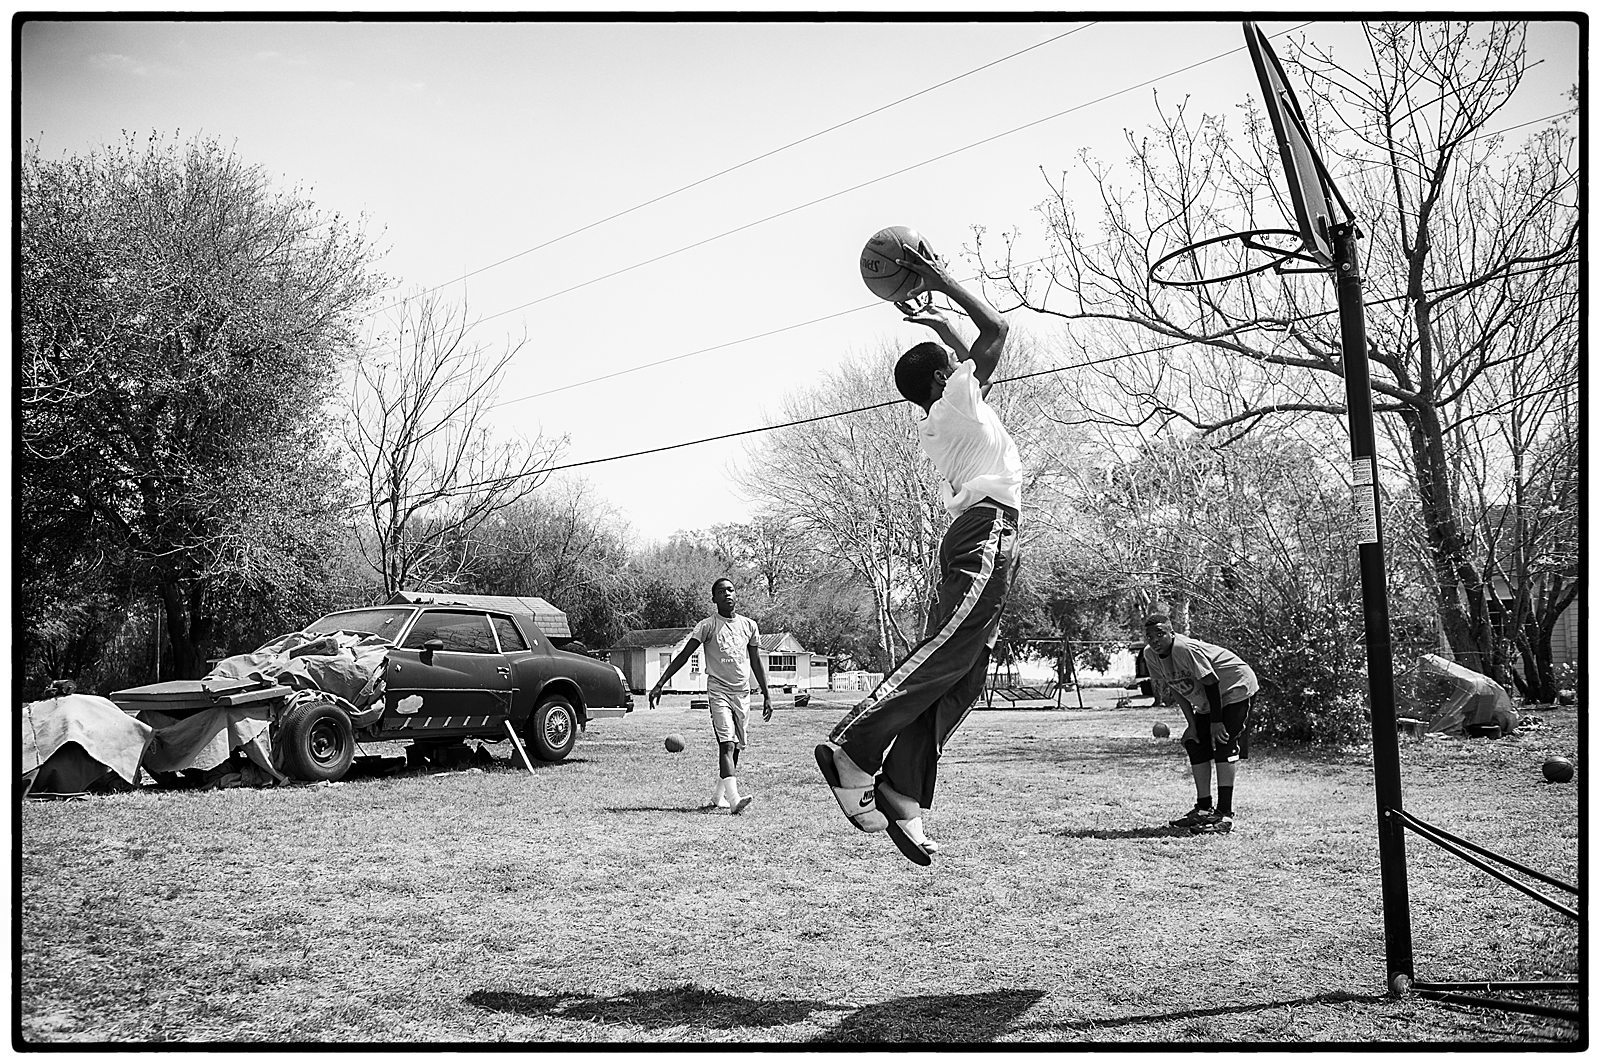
column 1162, row 832
column 664, row 809
column 925, row 1018
column 1331, row 997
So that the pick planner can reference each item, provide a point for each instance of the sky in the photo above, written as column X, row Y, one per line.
column 669, row 210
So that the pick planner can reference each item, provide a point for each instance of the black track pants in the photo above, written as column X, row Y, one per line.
column 903, row 725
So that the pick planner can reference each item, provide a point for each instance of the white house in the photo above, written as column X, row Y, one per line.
column 645, row 654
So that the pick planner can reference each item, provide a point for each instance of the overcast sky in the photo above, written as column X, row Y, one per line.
column 466, row 143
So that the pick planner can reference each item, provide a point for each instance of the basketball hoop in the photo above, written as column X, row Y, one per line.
column 1234, row 255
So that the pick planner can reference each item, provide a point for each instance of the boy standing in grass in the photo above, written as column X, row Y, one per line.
column 1214, row 687
column 880, row 760
column 733, row 653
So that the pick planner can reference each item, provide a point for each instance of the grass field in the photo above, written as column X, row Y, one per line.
column 600, row 901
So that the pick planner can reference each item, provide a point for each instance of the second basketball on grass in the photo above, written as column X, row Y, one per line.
column 886, row 278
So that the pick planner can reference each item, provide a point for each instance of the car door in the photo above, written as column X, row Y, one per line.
column 461, row 686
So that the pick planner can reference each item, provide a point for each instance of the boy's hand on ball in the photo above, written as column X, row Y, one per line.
column 932, row 271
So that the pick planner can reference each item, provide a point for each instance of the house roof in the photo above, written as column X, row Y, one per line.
column 652, row 637
column 551, row 621
column 778, row 642
column 781, row 643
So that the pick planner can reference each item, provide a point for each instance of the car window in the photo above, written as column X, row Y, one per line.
column 468, row 633
column 385, row 622
column 510, row 637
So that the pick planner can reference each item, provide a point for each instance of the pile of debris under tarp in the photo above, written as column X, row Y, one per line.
column 216, row 732
column 1439, row 696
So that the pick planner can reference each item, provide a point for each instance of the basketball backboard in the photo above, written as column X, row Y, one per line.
column 1312, row 206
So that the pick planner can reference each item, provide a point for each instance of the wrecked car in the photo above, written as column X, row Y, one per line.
column 431, row 671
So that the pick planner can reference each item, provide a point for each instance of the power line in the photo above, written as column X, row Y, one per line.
column 866, row 184
column 742, row 165
column 893, row 402
column 870, row 306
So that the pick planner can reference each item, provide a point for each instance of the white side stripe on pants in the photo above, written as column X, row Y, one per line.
column 968, row 601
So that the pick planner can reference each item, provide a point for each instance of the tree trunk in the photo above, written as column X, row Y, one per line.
column 1458, row 588
column 188, row 662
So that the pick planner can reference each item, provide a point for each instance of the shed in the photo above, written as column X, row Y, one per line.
column 643, row 655
column 551, row 621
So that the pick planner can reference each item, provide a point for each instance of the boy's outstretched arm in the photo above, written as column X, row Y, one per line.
column 992, row 328
column 677, row 663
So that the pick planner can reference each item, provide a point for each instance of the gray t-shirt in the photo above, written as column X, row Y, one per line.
column 726, row 641
column 1192, row 663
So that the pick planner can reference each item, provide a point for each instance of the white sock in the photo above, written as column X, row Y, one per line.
column 730, row 785
column 722, row 785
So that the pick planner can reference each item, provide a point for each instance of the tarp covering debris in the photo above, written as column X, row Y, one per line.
column 1453, row 698
column 207, row 738
column 69, row 743
column 346, row 665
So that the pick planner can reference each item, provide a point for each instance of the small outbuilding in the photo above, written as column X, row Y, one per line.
column 644, row 655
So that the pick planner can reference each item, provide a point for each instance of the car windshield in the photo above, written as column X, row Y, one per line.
column 385, row 622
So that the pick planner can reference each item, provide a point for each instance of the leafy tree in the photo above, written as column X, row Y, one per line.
column 567, row 546
column 672, row 582
column 181, row 323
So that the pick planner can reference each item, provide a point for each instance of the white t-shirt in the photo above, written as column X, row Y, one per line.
column 726, row 641
column 969, row 446
column 1193, row 662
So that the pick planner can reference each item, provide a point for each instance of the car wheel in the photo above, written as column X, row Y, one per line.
column 552, row 730
column 319, row 743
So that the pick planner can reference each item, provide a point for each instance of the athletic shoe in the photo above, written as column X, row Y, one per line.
column 1217, row 825
column 855, row 799
column 1194, row 818
column 742, row 804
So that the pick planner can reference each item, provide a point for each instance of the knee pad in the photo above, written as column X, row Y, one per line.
column 1199, row 752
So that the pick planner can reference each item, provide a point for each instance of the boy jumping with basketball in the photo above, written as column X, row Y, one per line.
column 880, row 760
column 733, row 645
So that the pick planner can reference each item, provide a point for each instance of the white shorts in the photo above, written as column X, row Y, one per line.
column 728, row 714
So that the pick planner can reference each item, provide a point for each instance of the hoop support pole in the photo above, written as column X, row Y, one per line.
column 1375, row 604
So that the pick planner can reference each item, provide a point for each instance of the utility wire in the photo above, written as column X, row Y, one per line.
column 869, row 306
column 876, row 180
column 747, row 162
column 894, row 402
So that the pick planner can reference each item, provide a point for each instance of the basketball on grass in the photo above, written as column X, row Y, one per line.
column 885, row 277
column 1557, row 769
column 674, row 743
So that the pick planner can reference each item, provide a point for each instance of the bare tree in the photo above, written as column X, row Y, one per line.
column 1469, row 248
column 860, row 488
column 430, row 472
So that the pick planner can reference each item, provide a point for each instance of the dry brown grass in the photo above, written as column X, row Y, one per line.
column 599, row 902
